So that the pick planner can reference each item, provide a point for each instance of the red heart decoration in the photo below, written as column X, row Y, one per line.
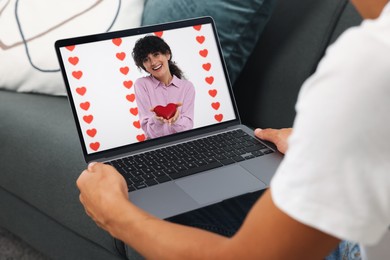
column 134, row 111
column 206, row 66
column 71, row 47
column 95, row 146
column 81, row 91
column 166, row 112
column 121, row 55
column 197, row 27
column 73, row 60
column 158, row 34
column 215, row 105
column 117, row 41
column 210, row 80
column 200, row 39
column 130, row 97
column 124, row 70
column 137, row 124
column 85, row 105
column 91, row 132
column 213, row 92
column 88, row 119
column 128, row 84
column 218, row 117
column 204, row 53
column 77, row 74
column 141, row 138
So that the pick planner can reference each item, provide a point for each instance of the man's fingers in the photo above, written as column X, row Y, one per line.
column 266, row 134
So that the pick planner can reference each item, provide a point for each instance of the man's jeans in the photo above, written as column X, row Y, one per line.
column 225, row 218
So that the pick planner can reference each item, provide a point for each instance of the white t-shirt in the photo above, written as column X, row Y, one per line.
column 335, row 176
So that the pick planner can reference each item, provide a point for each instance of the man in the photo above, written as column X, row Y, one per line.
column 332, row 184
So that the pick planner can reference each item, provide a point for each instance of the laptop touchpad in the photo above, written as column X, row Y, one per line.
column 207, row 188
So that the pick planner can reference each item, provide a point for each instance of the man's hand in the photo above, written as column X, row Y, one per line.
column 277, row 136
column 102, row 190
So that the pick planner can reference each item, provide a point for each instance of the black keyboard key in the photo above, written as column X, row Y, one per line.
column 130, row 188
column 162, row 179
column 169, row 171
column 148, row 176
column 139, row 186
column 249, row 156
column 238, row 158
column 219, row 157
column 210, row 160
column 196, row 170
column 200, row 162
column 227, row 161
column 257, row 153
column 151, row 182
column 253, row 148
column 136, row 179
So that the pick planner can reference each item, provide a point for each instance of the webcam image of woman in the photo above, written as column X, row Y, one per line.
column 165, row 98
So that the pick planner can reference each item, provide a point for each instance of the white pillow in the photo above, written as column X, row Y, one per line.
column 27, row 65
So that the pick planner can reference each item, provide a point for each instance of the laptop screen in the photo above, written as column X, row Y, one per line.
column 136, row 88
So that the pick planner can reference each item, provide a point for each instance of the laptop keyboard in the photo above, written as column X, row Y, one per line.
column 184, row 159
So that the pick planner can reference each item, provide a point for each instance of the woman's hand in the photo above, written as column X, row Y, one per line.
column 176, row 116
column 277, row 136
column 172, row 119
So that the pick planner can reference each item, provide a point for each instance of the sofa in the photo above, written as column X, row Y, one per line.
column 41, row 156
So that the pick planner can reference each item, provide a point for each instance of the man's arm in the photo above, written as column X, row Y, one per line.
column 266, row 233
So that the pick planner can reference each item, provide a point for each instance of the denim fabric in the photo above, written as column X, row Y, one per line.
column 226, row 218
column 239, row 23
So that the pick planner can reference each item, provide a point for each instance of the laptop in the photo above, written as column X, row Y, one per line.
column 212, row 159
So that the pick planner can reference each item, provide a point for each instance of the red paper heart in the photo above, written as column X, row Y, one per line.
column 141, row 138
column 85, row 105
column 158, row 34
column 137, row 124
column 88, row 119
column 200, row 39
column 210, row 80
column 218, row 117
column 117, row 41
column 91, row 132
column 166, row 112
column 77, row 74
column 197, row 27
column 213, row 92
column 204, row 53
column 128, row 84
column 206, row 66
column 134, row 111
column 215, row 105
column 124, row 70
column 121, row 55
column 73, row 60
column 81, row 91
column 95, row 146
column 71, row 47
column 130, row 97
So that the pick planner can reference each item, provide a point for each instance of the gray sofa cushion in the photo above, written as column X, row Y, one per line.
column 40, row 161
column 287, row 53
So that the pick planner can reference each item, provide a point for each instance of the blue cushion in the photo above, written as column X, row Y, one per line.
column 239, row 23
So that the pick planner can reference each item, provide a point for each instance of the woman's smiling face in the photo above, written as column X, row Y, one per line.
column 157, row 64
